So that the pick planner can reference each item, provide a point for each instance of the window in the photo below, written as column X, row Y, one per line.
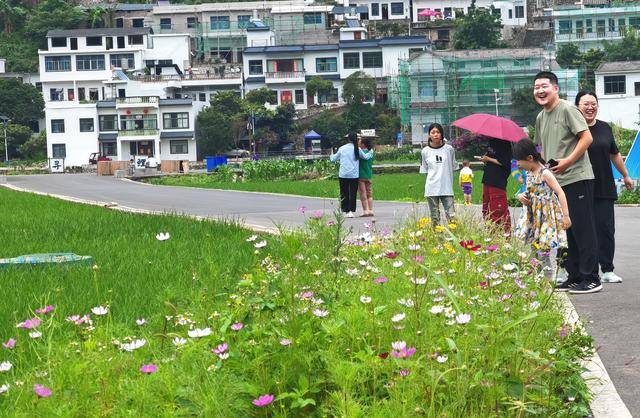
column 622, row 25
column 220, row 22
column 579, row 28
column 273, row 98
column 326, row 65
column 108, row 149
column 351, row 60
column 372, row 59
column 58, row 150
column 86, row 124
column 415, row 51
column 255, row 67
column 108, row 122
column 74, row 44
column 448, row 12
column 165, row 23
column 81, row 94
column 57, row 126
column 93, row 94
column 122, row 93
column 519, row 12
column 299, row 96
column 94, row 40
column 243, row 21
column 136, row 40
column 122, row 60
column 600, row 26
column 588, row 24
column 59, row 63
column 565, row 26
column 488, row 64
column 120, row 42
column 636, row 87
column 71, row 95
column 375, row 9
column 612, row 25
column 397, row 9
column 56, row 95
column 202, row 97
column 191, row 22
column 510, row 13
column 524, row 62
column 332, row 97
column 89, row 62
column 138, row 122
column 58, row 42
column 427, row 88
column 119, row 22
column 179, row 146
column 175, row 120
column 615, row 84
column 634, row 22
column 165, row 63
column 313, row 18
column 137, row 23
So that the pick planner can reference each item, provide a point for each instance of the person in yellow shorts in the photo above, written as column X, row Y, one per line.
column 466, row 182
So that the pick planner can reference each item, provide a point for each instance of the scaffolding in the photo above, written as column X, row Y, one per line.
column 443, row 86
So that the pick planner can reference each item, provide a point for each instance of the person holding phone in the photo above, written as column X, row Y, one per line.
column 496, row 172
column 565, row 137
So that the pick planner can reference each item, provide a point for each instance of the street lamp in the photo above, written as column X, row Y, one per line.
column 495, row 93
column 5, row 121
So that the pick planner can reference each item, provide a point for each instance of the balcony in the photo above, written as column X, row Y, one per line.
column 285, row 77
column 228, row 72
column 599, row 35
column 137, row 102
column 123, row 134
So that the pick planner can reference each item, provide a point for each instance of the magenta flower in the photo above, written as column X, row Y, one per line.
column 404, row 373
column 30, row 323
column 9, row 344
column 41, row 391
column 404, row 353
column 484, row 284
column 330, row 223
column 263, row 400
column 149, row 368
column 45, row 310
column 306, row 295
column 317, row 214
column 380, row 280
column 418, row 258
column 220, row 348
column 302, row 209
column 391, row 255
column 237, row 326
column 564, row 331
column 491, row 247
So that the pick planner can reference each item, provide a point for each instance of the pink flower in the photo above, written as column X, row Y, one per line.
column 30, row 323
column 221, row 348
column 306, row 295
column 41, row 391
column 404, row 353
column 302, row 209
column 469, row 245
column 418, row 258
column 564, row 331
column 484, row 284
column 330, row 223
column 317, row 214
column 491, row 247
column 263, row 400
column 285, row 341
column 9, row 344
column 237, row 326
column 45, row 310
column 380, row 280
column 404, row 373
column 392, row 255
column 149, row 368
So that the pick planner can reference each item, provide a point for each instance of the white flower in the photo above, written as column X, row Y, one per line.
column 352, row 272
column 100, row 310
column 260, row 244
column 4, row 388
column 35, row 334
column 436, row 309
column 365, row 299
column 179, row 342
column 198, row 333
column 406, row 302
column 449, row 312
column 414, row 247
column 140, row 322
column 398, row 345
column 397, row 264
column 463, row 318
column 163, row 236
column 223, row 356
column 419, row 281
column 552, row 351
column 320, row 313
column 534, row 305
column 133, row 345
column 398, row 317
column 509, row 267
column 252, row 238
column 442, row 359
column 5, row 366
column 362, row 263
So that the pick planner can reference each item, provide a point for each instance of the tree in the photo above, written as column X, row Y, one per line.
column 480, row 28
column 318, row 85
column 53, row 14
column 96, row 17
column 228, row 103
column 282, row 123
column 628, row 49
column 261, row 96
column 214, row 132
column 331, row 126
column 360, row 116
column 16, row 136
column 591, row 60
column 20, row 102
column 35, row 148
column 387, row 125
column 569, row 56
column 359, row 87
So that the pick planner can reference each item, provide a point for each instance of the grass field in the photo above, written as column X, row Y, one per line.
column 403, row 187
column 216, row 322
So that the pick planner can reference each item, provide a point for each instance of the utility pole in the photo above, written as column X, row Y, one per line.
column 5, row 122
column 495, row 93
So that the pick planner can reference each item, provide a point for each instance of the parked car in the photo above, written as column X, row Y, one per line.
column 95, row 157
column 238, row 153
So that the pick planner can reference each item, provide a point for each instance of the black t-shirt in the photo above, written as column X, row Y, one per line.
column 497, row 175
column 600, row 151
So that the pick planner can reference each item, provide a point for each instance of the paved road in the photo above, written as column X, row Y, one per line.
column 611, row 316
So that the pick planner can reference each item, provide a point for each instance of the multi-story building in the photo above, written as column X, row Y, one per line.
column 99, row 98
column 285, row 69
column 618, row 90
column 588, row 27
column 374, row 10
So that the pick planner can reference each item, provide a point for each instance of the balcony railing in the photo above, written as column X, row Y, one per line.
column 138, row 132
column 595, row 35
column 284, row 74
column 214, row 73
column 138, row 100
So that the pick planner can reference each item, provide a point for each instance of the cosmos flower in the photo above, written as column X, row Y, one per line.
column 263, row 400
column 463, row 318
column 260, row 244
column 100, row 310
column 163, row 236
column 199, row 333
column 365, row 299
column 133, row 345
column 149, row 368
column 9, row 344
column 45, row 310
column 469, row 245
column 237, row 326
column 41, row 391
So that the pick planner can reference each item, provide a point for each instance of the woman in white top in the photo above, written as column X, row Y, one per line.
column 349, row 156
column 438, row 163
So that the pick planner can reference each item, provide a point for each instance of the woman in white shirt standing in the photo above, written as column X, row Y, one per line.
column 349, row 156
column 438, row 163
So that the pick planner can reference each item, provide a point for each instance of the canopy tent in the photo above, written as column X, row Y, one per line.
column 312, row 135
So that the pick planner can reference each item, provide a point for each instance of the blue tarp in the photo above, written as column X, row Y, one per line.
column 632, row 163
column 312, row 135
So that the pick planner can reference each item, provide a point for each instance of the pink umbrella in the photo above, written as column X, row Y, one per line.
column 492, row 126
column 429, row 13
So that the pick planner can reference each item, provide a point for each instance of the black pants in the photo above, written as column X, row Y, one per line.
column 605, row 230
column 348, row 192
column 581, row 262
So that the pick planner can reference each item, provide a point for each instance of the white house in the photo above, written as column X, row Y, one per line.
column 618, row 90
column 512, row 12
column 113, row 91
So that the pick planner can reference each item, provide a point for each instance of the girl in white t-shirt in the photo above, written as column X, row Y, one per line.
column 438, row 163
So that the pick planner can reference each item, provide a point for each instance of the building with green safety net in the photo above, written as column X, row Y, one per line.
column 443, row 86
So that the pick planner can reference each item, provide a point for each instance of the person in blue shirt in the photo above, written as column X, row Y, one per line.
column 349, row 156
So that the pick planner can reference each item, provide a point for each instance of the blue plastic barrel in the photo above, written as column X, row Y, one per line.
column 211, row 163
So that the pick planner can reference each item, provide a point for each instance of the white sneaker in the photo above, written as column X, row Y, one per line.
column 349, row 215
column 561, row 276
column 611, row 277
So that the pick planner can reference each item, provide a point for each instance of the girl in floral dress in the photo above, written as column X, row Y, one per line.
column 545, row 214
